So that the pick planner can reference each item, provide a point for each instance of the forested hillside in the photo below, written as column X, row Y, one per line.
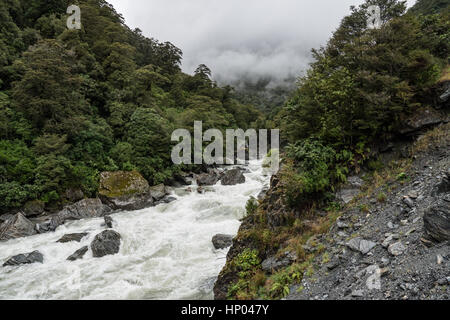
column 74, row 103
column 365, row 89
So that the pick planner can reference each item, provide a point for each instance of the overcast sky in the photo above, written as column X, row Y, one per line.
column 237, row 38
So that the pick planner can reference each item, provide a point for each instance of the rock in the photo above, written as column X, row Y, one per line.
column 74, row 195
column 413, row 194
column 446, row 95
column 16, row 227
column 125, row 190
column 79, row 254
column 120, row 183
column 33, row 208
column 5, row 217
column 165, row 200
column 373, row 282
column 25, row 258
column 350, row 190
column 87, row 208
column 347, row 195
column 422, row 118
column 233, row 177
column 106, row 243
column 262, row 194
column 207, row 179
column 396, row 249
column 439, row 259
column 442, row 187
column 333, row 264
column 361, row 245
column 409, row 202
column 357, row 293
column 275, row 263
column 437, row 221
column 342, row 225
column 221, row 241
column 72, row 237
column 108, row 221
column 355, row 181
column 158, row 192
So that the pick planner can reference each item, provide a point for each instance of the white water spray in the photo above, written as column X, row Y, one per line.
column 166, row 251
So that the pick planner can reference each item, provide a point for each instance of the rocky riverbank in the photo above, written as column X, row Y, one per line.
column 119, row 191
column 388, row 239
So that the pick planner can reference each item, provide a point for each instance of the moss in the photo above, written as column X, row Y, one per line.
column 122, row 183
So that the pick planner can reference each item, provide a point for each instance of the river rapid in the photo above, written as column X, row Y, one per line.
column 166, row 251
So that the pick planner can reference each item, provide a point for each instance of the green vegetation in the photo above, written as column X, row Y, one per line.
column 354, row 98
column 358, row 90
column 74, row 103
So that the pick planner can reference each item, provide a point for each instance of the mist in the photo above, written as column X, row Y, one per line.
column 238, row 39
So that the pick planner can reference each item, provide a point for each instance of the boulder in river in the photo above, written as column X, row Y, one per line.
column 207, row 179
column 108, row 222
column 25, row 258
column 79, row 254
column 16, row 227
column 72, row 237
column 86, row 208
column 437, row 221
column 125, row 190
column 233, row 177
column 106, row 243
column 158, row 192
column 221, row 241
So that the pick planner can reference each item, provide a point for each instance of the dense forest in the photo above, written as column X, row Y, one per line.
column 74, row 103
column 354, row 100
column 359, row 90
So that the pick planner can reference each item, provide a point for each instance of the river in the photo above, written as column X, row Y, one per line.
column 166, row 251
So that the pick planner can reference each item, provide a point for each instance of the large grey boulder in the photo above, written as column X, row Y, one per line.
column 207, row 179
column 16, row 227
column 221, row 241
column 233, row 177
column 25, row 258
column 106, row 243
column 437, row 221
column 125, row 190
column 84, row 209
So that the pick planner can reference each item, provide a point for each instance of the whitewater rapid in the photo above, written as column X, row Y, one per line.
column 166, row 251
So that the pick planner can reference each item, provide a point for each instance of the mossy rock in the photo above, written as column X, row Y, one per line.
column 122, row 183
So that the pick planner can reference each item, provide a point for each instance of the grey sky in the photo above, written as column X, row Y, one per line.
column 237, row 38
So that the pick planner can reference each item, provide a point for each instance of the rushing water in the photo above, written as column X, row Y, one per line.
column 166, row 251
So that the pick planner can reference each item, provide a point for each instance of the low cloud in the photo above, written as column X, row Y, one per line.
column 240, row 38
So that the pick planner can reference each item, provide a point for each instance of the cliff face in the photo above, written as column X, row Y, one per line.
column 389, row 241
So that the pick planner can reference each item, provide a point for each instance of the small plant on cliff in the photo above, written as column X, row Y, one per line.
column 251, row 206
column 246, row 261
column 310, row 170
